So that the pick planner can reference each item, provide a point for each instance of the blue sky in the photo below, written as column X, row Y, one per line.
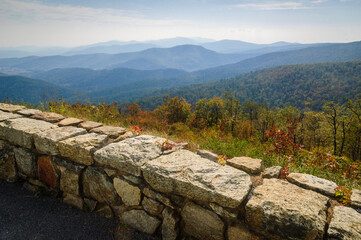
column 79, row 22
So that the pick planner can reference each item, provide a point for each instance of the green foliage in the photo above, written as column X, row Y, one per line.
column 174, row 110
column 343, row 195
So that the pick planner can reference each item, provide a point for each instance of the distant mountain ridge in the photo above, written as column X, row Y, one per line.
column 185, row 57
column 17, row 88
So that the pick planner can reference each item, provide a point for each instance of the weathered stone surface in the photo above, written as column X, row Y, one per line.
column 110, row 172
column 80, row 148
column 20, row 131
column 201, row 223
column 133, row 179
column 127, row 134
column 25, row 161
column 69, row 122
column 8, row 115
column 46, row 142
column 87, row 125
column 112, row 132
column 170, row 227
column 47, row 172
column 209, row 155
column 130, row 154
column 189, row 175
column 281, row 210
column 10, row 108
column 314, row 183
column 73, row 200
column 129, row 194
column 49, row 117
column 140, row 220
column 238, row 232
column 7, row 163
column 97, row 185
column 90, row 204
column 356, row 198
column 223, row 212
column 69, row 182
column 247, row 164
column 105, row 211
column 272, row 172
column 157, row 196
column 345, row 224
column 152, row 207
column 63, row 163
column 29, row 112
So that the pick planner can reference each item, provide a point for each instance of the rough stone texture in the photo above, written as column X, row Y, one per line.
column 189, row 175
column 152, row 207
column 170, row 227
column 105, row 211
column 129, row 194
column 140, row 220
column 356, row 198
column 47, row 172
column 209, row 155
column 223, row 212
column 8, row 115
column 73, row 200
column 48, row 117
column 29, row 112
column 314, row 183
column 281, row 210
column 157, row 196
column 10, row 108
column 110, row 172
column 239, row 232
column 345, row 224
column 25, row 161
column 89, row 204
column 88, row 125
column 46, row 142
column 80, row 148
column 130, row 154
column 272, row 172
column 7, row 163
column 249, row 165
column 69, row 182
column 133, row 179
column 20, row 131
column 97, row 185
column 201, row 223
column 112, row 132
column 69, row 122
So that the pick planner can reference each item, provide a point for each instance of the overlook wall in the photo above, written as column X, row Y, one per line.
column 173, row 193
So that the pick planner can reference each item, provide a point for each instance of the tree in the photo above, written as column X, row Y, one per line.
column 208, row 112
column 232, row 109
column 174, row 110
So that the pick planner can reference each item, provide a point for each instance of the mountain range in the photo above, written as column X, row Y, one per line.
column 132, row 76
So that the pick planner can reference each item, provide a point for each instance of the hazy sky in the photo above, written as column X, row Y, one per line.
column 78, row 22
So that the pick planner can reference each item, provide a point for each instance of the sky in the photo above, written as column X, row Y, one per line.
column 81, row 22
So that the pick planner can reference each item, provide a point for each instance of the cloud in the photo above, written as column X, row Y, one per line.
column 37, row 11
column 318, row 1
column 273, row 6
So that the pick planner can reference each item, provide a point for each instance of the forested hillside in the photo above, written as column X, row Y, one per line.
column 17, row 88
column 303, row 86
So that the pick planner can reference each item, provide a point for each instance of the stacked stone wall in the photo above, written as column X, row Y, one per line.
column 172, row 193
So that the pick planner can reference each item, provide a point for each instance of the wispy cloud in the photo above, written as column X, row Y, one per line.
column 282, row 5
column 38, row 11
column 273, row 6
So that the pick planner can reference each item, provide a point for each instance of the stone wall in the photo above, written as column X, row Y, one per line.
column 172, row 193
